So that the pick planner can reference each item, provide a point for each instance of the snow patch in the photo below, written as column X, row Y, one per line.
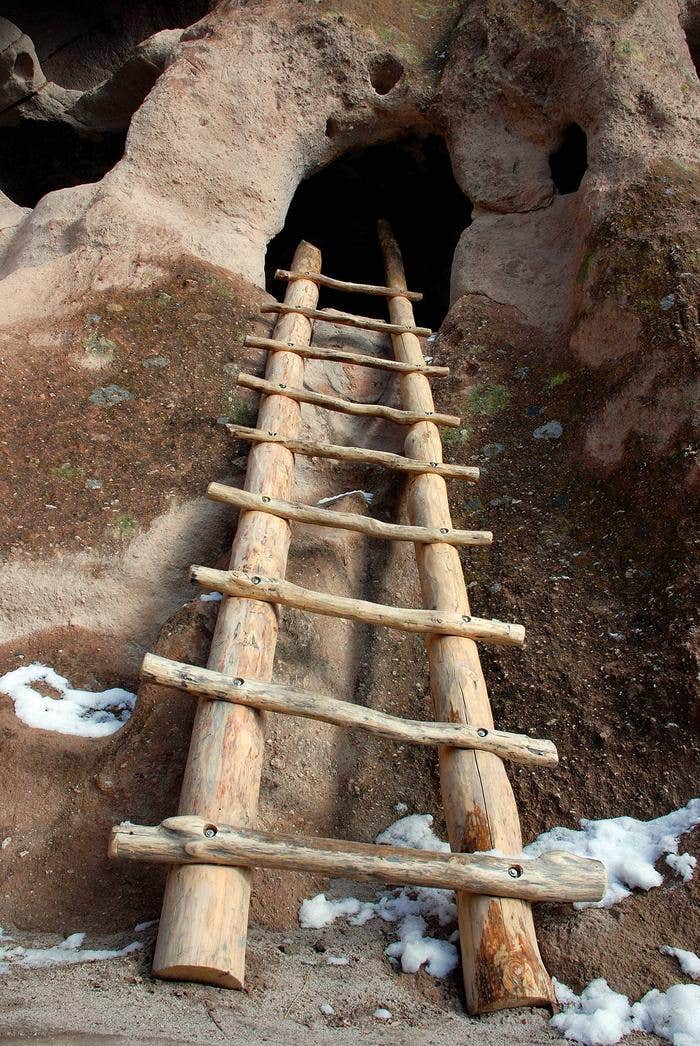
column 689, row 962
column 600, row 1016
column 682, row 864
column 366, row 496
column 67, row 953
column 327, row 1010
column 79, row 712
column 629, row 849
column 409, row 907
column 337, row 960
column 211, row 597
column 382, row 1015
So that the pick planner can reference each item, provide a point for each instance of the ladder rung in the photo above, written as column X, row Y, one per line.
column 347, row 319
column 276, row 590
column 373, row 528
column 554, row 876
column 276, row 697
column 344, row 285
column 360, row 359
column 374, row 410
column 361, row 455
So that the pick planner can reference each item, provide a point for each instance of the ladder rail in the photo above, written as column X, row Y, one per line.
column 501, row 963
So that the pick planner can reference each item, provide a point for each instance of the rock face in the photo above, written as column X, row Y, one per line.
column 124, row 297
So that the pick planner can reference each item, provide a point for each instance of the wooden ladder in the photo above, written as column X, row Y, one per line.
column 212, row 843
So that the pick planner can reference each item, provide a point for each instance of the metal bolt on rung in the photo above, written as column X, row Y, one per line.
column 282, row 386
column 256, row 580
column 265, row 498
column 515, row 871
column 210, row 831
column 433, row 464
column 237, row 682
column 429, row 413
column 466, row 618
column 272, row 433
column 444, row 530
column 482, row 732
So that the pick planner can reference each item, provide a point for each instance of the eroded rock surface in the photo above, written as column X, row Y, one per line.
column 124, row 298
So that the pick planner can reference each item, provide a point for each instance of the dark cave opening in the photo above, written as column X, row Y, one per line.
column 691, row 27
column 570, row 161
column 408, row 182
column 80, row 43
column 37, row 157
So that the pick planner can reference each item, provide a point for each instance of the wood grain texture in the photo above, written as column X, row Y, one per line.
column 405, row 619
column 359, row 359
column 371, row 528
column 347, row 319
column 319, row 399
column 501, row 963
column 358, row 455
column 555, row 876
column 344, row 285
column 288, row 700
column 203, row 925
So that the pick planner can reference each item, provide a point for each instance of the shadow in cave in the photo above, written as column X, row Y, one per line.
column 410, row 183
column 570, row 161
column 80, row 43
column 37, row 158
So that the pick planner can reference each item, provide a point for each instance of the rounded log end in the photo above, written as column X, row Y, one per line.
column 512, row 1001
column 218, row 978
column 113, row 844
column 517, row 635
column 147, row 666
column 551, row 754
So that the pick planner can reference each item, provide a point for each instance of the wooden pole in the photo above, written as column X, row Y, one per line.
column 404, row 619
column 555, row 876
column 278, row 697
column 344, row 285
column 501, row 963
column 324, row 517
column 358, row 455
column 320, row 399
column 203, row 926
column 335, row 355
column 348, row 319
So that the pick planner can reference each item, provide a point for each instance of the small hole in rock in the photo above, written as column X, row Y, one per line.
column 385, row 71
column 24, row 65
column 332, row 127
column 570, row 162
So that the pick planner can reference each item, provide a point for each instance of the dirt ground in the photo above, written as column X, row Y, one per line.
column 606, row 670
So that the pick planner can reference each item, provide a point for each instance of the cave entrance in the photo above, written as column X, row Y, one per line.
column 37, row 157
column 408, row 182
column 570, row 161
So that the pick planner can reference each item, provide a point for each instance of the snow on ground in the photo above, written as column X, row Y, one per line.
column 410, row 907
column 600, row 1016
column 67, row 953
column 629, row 849
column 366, row 496
column 79, row 712
column 689, row 962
